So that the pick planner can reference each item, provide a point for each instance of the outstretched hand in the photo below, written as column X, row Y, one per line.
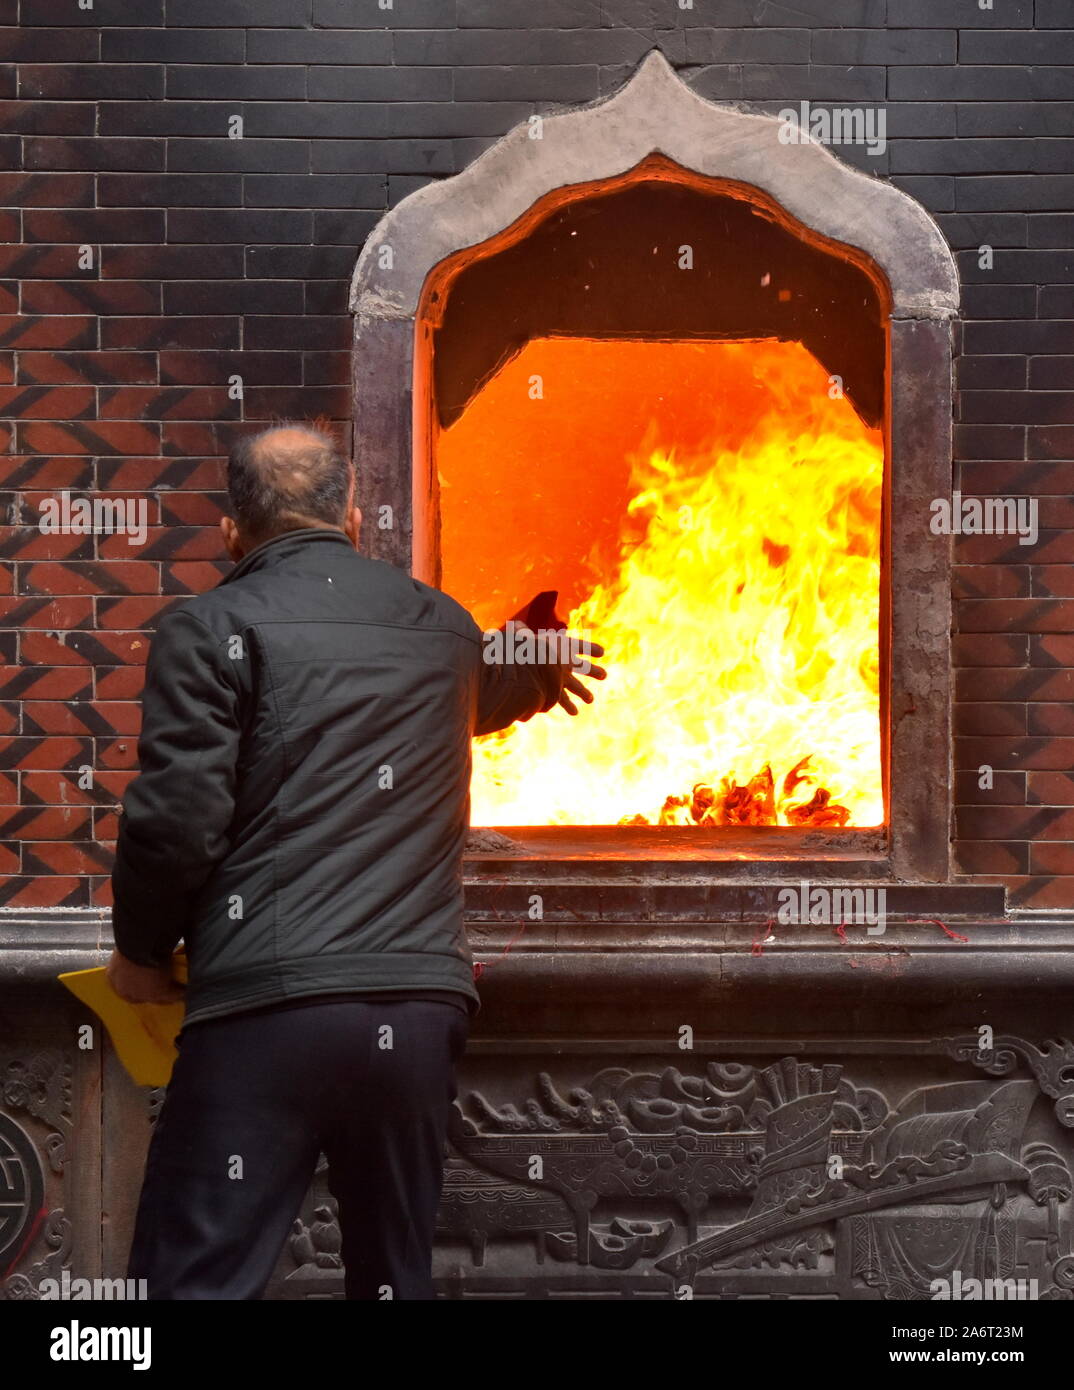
column 580, row 665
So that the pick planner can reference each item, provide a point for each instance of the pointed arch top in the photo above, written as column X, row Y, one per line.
column 656, row 113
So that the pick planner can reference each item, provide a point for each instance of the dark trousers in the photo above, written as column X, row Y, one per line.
column 254, row 1099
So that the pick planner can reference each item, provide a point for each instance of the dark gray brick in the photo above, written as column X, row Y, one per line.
column 1026, row 336
column 366, row 14
column 935, row 192
column 299, row 262
column 336, row 227
column 719, row 82
column 49, row 45
column 529, row 14
column 1056, row 302
column 999, row 302
column 983, row 156
column 568, row 84
column 318, row 46
column 1048, row 373
column 885, row 46
column 1052, row 14
column 958, row 14
column 114, row 81
column 327, row 297
column 1028, row 48
column 981, row 84
column 489, row 47
column 1051, row 118
column 1016, row 267
column 226, row 14
column 383, row 156
column 1051, row 441
column 262, row 334
column 992, row 373
column 853, row 14
column 268, row 226
column 1052, row 229
column 234, row 82
column 380, row 84
column 281, row 156
column 92, row 152
column 981, row 443
column 105, row 13
column 173, row 45
column 315, row 191
column 401, row 186
column 1016, row 192
column 811, row 82
column 234, row 297
column 165, row 118
column 747, row 45
column 48, row 117
column 384, row 120
column 973, row 230
column 169, row 190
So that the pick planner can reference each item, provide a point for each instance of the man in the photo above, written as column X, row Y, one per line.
column 299, row 822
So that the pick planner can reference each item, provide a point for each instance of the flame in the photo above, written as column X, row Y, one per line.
column 736, row 592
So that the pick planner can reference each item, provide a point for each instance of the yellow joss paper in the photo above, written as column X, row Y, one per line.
column 142, row 1034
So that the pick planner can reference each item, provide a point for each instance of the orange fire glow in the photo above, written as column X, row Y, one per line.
column 711, row 515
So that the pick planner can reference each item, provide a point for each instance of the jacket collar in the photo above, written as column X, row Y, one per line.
column 279, row 548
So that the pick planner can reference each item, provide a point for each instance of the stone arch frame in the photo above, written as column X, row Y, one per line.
column 657, row 114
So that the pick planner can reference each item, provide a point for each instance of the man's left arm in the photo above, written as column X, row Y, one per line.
column 177, row 812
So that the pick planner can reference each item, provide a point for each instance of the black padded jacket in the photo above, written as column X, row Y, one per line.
column 303, row 800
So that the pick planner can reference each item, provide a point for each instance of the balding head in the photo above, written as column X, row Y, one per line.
column 284, row 479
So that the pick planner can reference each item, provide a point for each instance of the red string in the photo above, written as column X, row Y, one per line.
column 480, row 966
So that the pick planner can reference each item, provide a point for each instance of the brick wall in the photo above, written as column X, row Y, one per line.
column 214, row 257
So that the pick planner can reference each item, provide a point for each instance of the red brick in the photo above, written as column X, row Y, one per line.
column 1051, row 650
column 10, row 859
column 49, row 857
column 39, row 890
column 1050, row 788
column 47, row 753
column 9, row 788
column 105, row 825
column 129, row 612
column 44, row 682
column 31, row 190
column 1041, row 892
column 30, row 543
column 118, row 682
column 63, row 789
column 98, row 437
column 164, row 333
column 990, row 581
column 1033, row 683
column 47, row 402
column 7, row 367
column 990, row 649
column 992, row 857
column 92, row 296
column 57, row 614
column 168, row 403
column 45, row 823
column 1014, row 823
column 101, row 892
column 69, row 717
column 117, row 753
column 1050, row 719
column 1015, row 615
column 173, row 542
column 84, row 648
column 54, row 331
column 984, row 718
column 183, row 578
column 103, row 577
column 1054, row 858
column 194, row 508
column 1033, row 754
column 75, row 368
